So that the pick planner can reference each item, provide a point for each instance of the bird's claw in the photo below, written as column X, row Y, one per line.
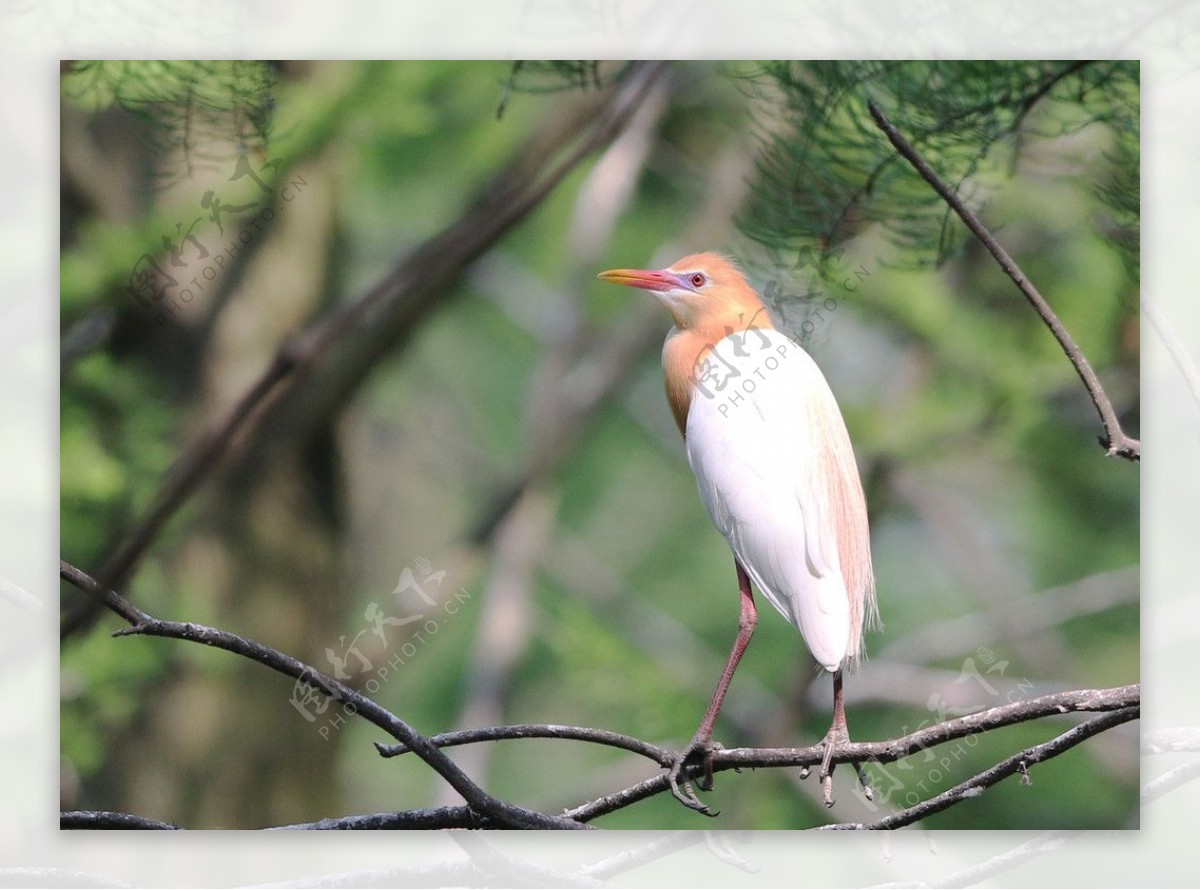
column 835, row 738
column 681, row 785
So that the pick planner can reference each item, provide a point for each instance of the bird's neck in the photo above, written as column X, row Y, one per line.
column 685, row 347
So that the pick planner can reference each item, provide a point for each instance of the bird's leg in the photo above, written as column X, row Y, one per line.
column 701, row 742
column 838, row 735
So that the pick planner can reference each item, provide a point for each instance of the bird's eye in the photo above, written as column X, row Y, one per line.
column 698, row 279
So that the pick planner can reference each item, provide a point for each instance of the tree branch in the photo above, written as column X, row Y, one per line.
column 661, row 756
column 140, row 623
column 431, row 818
column 976, row 785
column 1115, row 441
column 107, row 820
column 1122, row 698
column 421, row 277
column 1124, row 701
column 1117, row 705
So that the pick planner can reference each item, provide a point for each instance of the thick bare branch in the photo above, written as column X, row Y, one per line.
column 1098, row 700
column 108, row 820
column 433, row 817
column 1018, row 763
column 502, row 813
column 1124, row 700
column 1116, row 706
column 1115, row 441
column 381, row 316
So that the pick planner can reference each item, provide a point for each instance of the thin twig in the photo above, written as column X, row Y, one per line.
column 140, row 623
column 83, row 581
column 661, row 756
column 1115, row 441
column 975, row 786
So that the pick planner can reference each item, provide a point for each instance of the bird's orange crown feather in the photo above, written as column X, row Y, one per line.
column 708, row 298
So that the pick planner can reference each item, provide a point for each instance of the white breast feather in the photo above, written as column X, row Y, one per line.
column 762, row 432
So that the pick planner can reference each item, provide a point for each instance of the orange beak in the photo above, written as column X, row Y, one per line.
column 641, row 278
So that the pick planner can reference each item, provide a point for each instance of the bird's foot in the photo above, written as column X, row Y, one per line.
column 699, row 749
column 837, row 737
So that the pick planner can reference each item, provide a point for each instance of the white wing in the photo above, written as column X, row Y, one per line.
column 776, row 472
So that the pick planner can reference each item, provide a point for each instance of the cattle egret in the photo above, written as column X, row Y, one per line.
column 776, row 472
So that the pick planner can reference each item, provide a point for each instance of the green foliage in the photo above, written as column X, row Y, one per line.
column 975, row 438
column 180, row 98
column 532, row 76
column 116, row 443
column 826, row 170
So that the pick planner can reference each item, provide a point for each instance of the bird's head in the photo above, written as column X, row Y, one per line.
column 702, row 291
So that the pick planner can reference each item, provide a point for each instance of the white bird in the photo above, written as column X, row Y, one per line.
column 776, row 473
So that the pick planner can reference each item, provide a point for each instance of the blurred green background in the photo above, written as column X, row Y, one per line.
column 510, row 449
